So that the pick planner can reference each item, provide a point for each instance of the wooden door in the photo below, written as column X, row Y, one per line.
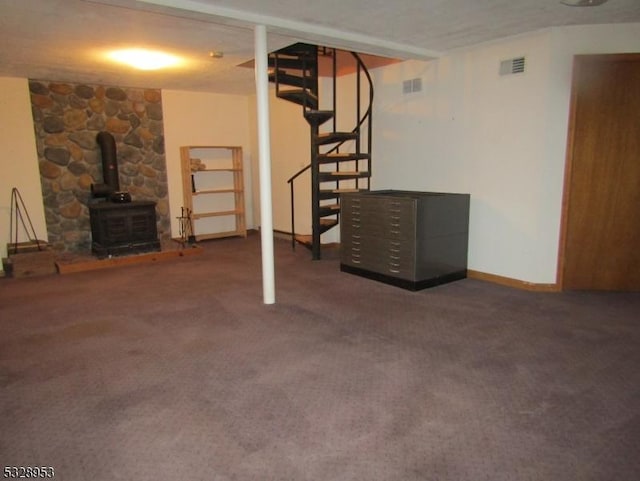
column 601, row 216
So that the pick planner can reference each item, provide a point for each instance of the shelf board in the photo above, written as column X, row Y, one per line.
column 217, row 214
column 215, row 191
column 227, row 147
column 220, row 169
column 218, row 235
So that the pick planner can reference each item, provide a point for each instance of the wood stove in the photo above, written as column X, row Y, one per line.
column 127, row 228
column 118, row 225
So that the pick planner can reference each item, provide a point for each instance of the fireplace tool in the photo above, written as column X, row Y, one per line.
column 186, row 227
column 19, row 214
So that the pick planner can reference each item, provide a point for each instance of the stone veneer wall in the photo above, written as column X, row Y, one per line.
column 67, row 118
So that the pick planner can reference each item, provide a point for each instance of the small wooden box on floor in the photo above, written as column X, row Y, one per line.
column 408, row 239
column 29, row 261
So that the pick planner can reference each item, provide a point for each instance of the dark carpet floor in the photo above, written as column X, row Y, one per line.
column 177, row 371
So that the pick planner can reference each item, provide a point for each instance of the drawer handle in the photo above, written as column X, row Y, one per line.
column 356, row 242
column 395, row 224
column 395, row 271
column 355, row 249
column 395, row 231
column 394, row 264
column 355, row 261
column 395, row 258
column 355, row 236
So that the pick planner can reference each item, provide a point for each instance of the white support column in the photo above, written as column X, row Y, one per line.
column 264, row 161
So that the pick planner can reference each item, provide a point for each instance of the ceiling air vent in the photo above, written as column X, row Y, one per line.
column 511, row 66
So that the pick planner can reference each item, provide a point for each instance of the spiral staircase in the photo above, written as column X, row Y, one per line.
column 340, row 160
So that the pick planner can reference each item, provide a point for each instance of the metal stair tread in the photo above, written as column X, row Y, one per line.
column 335, row 137
column 339, row 173
column 343, row 175
column 293, row 63
column 318, row 117
column 329, row 209
column 300, row 97
column 342, row 156
column 326, row 224
column 306, row 240
column 326, row 194
column 297, row 49
column 284, row 78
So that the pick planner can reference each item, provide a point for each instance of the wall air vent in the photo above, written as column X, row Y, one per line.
column 413, row 85
column 511, row 66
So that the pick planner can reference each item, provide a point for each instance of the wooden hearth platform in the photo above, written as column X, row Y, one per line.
column 71, row 263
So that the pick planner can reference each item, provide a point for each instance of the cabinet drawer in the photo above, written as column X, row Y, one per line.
column 373, row 206
column 385, row 256
column 378, row 218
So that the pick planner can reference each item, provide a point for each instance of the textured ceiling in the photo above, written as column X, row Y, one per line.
column 439, row 25
column 64, row 39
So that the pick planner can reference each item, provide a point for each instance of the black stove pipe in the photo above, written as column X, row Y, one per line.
column 111, row 181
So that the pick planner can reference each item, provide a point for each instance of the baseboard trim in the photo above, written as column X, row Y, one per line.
column 471, row 274
column 281, row 234
column 510, row 282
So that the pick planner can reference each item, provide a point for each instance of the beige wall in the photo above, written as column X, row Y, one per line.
column 18, row 159
column 473, row 131
column 197, row 118
column 501, row 139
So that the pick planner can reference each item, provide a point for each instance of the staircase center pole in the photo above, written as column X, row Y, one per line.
column 264, row 161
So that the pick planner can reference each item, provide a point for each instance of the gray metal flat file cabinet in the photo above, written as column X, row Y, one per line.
column 409, row 239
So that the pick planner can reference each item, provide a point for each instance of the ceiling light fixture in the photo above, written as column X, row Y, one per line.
column 144, row 59
column 583, row 3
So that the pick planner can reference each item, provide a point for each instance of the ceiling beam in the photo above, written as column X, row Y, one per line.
column 300, row 31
